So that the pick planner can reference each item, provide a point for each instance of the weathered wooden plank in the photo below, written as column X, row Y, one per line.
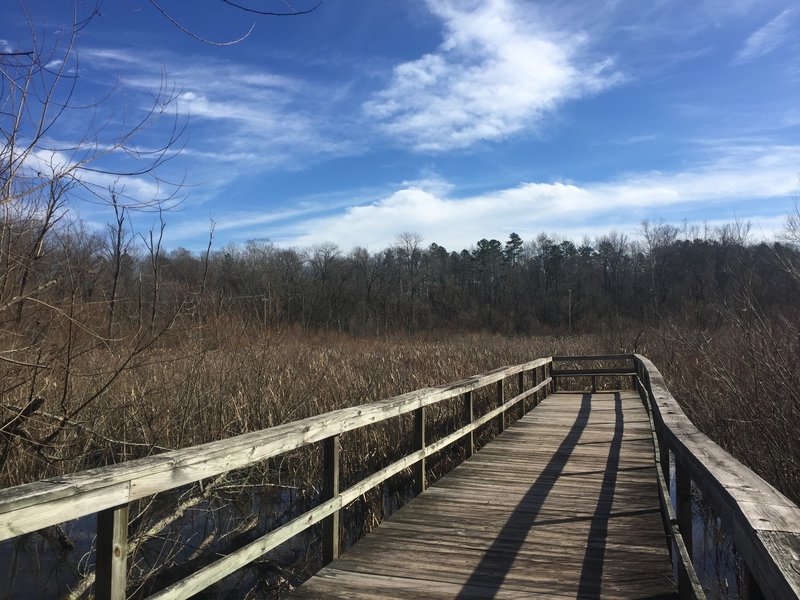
column 347, row 584
column 27, row 519
column 511, row 520
column 234, row 561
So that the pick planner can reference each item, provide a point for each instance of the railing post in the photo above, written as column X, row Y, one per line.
column 521, row 387
column 419, row 444
column 331, row 448
column 111, row 569
column 501, row 418
column 683, row 508
column 594, row 384
column 468, row 416
column 663, row 452
column 634, row 387
column 534, row 383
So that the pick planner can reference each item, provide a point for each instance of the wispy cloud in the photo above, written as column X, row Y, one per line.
column 240, row 116
column 766, row 39
column 495, row 73
column 765, row 174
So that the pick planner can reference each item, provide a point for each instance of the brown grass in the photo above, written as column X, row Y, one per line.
column 200, row 383
column 204, row 384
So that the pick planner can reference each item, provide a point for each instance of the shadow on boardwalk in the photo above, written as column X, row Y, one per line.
column 564, row 504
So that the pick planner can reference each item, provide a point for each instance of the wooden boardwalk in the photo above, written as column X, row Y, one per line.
column 564, row 504
column 568, row 502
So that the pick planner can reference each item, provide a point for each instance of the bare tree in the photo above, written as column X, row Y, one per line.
column 39, row 89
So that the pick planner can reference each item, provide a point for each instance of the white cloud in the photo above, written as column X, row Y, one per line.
column 242, row 118
column 111, row 56
column 765, row 174
column 766, row 39
column 43, row 164
column 496, row 73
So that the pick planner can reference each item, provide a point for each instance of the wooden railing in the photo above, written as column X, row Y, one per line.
column 107, row 491
column 616, row 372
column 763, row 523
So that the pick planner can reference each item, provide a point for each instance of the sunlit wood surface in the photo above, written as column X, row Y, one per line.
column 564, row 504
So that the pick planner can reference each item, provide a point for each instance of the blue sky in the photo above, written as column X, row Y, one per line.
column 456, row 120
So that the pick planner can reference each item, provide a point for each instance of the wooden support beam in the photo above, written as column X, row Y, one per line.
column 419, row 444
column 520, row 389
column 663, row 458
column 501, row 418
column 111, row 570
column 683, row 502
column 606, row 371
column 468, row 416
column 330, row 489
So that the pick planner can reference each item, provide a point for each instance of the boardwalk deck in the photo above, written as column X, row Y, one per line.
column 564, row 504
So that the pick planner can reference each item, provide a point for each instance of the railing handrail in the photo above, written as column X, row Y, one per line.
column 32, row 506
column 765, row 523
column 584, row 357
column 107, row 491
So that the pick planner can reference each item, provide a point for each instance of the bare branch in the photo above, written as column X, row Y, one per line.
column 292, row 13
column 193, row 35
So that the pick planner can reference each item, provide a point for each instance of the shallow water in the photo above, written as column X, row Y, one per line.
column 714, row 556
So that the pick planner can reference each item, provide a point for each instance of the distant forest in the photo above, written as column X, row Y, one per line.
column 542, row 285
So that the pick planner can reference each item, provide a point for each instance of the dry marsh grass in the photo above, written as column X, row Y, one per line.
column 200, row 385
column 196, row 384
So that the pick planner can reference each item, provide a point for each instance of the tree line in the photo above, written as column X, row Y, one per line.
column 544, row 284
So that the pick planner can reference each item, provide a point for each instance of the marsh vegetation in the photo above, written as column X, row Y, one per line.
column 114, row 350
